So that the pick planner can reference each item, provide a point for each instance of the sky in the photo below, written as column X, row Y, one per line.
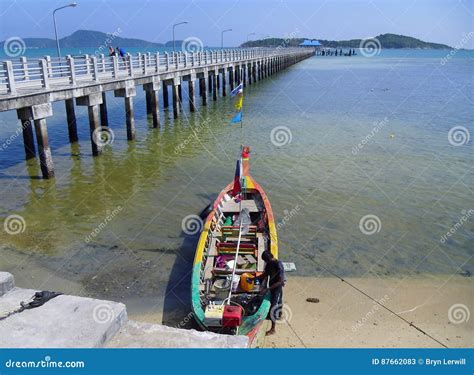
column 441, row 21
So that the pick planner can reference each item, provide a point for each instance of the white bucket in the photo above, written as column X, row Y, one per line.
column 235, row 283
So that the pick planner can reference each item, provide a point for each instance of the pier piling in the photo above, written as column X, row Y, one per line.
column 104, row 118
column 38, row 113
column 71, row 120
column 27, row 131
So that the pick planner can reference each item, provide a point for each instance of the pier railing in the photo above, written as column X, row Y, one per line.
column 45, row 73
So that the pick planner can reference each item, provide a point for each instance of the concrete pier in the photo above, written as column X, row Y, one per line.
column 77, row 322
column 31, row 97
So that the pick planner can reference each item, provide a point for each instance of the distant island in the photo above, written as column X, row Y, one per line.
column 96, row 39
column 90, row 39
column 387, row 41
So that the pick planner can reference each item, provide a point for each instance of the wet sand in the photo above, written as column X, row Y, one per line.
column 344, row 318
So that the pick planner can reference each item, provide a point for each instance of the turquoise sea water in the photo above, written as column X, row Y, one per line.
column 333, row 139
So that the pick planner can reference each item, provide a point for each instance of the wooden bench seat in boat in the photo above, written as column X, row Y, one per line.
column 231, row 247
column 232, row 206
column 227, row 271
column 233, row 231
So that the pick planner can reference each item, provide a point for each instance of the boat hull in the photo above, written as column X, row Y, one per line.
column 252, row 325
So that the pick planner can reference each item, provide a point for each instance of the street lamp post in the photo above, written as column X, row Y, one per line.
column 72, row 5
column 222, row 36
column 249, row 35
column 177, row 24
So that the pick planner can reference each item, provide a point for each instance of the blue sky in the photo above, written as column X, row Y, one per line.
column 443, row 21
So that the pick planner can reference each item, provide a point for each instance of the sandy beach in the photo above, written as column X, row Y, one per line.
column 344, row 318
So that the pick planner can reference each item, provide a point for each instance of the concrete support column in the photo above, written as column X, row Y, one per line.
column 71, row 120
column 175, row 90
column 165, row 96
column 93, row 112
column 155, row 108
column 104, row 117
column 203, row 89
column 128, row 92
column 180, row 94
column 249, row 73
column 254, row 72
column 92, row 102
column 244, row 75
column 231, row 78
column 148, row 101
column 214, row 85
column 28, row 139
column 152, row 92
column 130, row 118
column 218, row 81
column 209, row 83
column 192, row 96
column 38, row 114
column 27, row 131
column 224, row 84
column 46, row 159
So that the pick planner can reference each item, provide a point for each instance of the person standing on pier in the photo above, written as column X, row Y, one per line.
column 111, row 51
column 121, row 51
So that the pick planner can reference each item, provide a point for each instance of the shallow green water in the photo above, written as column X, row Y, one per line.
column 321, row 184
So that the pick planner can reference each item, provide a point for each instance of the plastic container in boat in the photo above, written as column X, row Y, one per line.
column 222, row 287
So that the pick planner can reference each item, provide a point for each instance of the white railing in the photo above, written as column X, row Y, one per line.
column 33, row 74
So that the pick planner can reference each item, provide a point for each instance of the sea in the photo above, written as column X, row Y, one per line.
column 367, row 161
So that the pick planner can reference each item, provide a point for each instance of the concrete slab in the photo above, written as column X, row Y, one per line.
column 146, row 335
column 63, row 322
column 7, row 282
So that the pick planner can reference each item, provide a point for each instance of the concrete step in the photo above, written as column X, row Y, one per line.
column 7, row 282
column 146, row 335
column 63, row 322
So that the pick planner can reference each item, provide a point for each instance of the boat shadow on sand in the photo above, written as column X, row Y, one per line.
column 177, row 308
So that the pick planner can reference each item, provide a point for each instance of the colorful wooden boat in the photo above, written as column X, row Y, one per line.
column 218, row 241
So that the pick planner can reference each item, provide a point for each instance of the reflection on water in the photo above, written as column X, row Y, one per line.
column 332, row 170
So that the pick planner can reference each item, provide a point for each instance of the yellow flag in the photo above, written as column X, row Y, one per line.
column 238, row 103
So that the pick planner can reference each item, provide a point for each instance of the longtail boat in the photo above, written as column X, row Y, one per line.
column 238, row 229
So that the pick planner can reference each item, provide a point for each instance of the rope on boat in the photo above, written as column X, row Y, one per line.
column 238, row 241
column 411, row 324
